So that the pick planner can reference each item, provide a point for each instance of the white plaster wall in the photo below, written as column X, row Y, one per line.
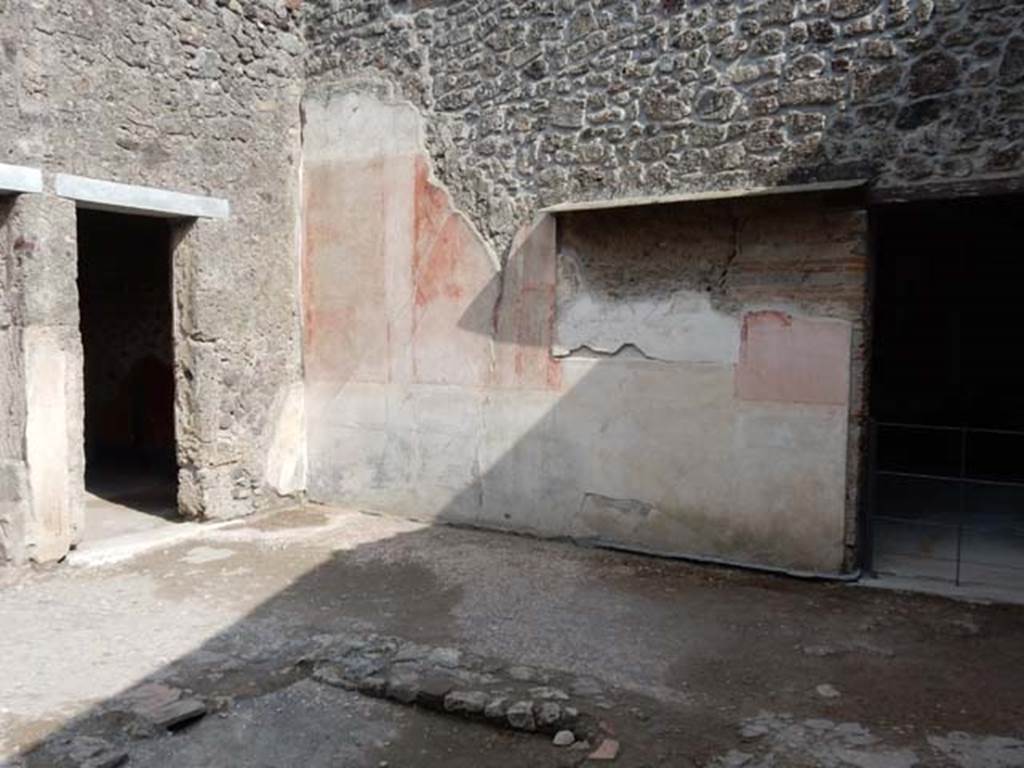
column 682, row 326
column 350, row 127
column 286, row 457
column 49, row 531
column 505, row 428
column 761, row 483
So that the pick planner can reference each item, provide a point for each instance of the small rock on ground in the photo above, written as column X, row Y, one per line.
column 178, row 713
column 564, row 739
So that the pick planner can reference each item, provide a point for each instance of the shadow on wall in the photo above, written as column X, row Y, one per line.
column 674, row 378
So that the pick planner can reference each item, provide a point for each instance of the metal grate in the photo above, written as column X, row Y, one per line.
column 938, row 524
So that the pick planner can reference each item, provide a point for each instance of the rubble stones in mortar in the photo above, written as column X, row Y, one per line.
column 532, row 103
column 456, row 683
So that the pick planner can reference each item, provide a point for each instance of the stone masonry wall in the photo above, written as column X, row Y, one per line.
column 524, row 103
column 531, row 102
column 42, row 482
column 196, row 96
column 13, row 482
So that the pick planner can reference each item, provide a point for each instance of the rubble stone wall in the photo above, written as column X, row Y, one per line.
column 13, row 482
column 200, row 97
column 531, row 102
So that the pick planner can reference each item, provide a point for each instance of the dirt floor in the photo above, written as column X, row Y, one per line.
column 680, row 665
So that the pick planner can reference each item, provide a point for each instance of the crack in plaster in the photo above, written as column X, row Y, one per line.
column 626, row 350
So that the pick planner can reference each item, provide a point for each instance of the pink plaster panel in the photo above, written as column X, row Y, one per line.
column 790, row 359
column 348, row 207
column 525, row 322
column 454, row 292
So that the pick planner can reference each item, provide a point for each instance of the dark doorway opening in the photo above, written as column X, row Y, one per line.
column 947, row 393
column 125, row 294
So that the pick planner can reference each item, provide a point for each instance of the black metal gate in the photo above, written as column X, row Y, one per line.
column 946, row 449
column 948, row 513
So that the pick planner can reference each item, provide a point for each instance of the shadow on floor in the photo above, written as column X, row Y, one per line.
column 682, row 656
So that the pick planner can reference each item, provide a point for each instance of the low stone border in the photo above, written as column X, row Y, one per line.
column 460, row 684
column 445, row 680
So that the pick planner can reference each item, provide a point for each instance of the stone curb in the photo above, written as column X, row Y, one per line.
column 455, row 683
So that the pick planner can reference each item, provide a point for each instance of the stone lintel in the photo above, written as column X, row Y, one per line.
column 96, row 194
column 980, row 186
column 696, row 197
column 16, row 179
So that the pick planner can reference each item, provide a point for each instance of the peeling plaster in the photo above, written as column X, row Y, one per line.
column 623, row 351
column 440, row 387
column 286, row 458
column 680, row 328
